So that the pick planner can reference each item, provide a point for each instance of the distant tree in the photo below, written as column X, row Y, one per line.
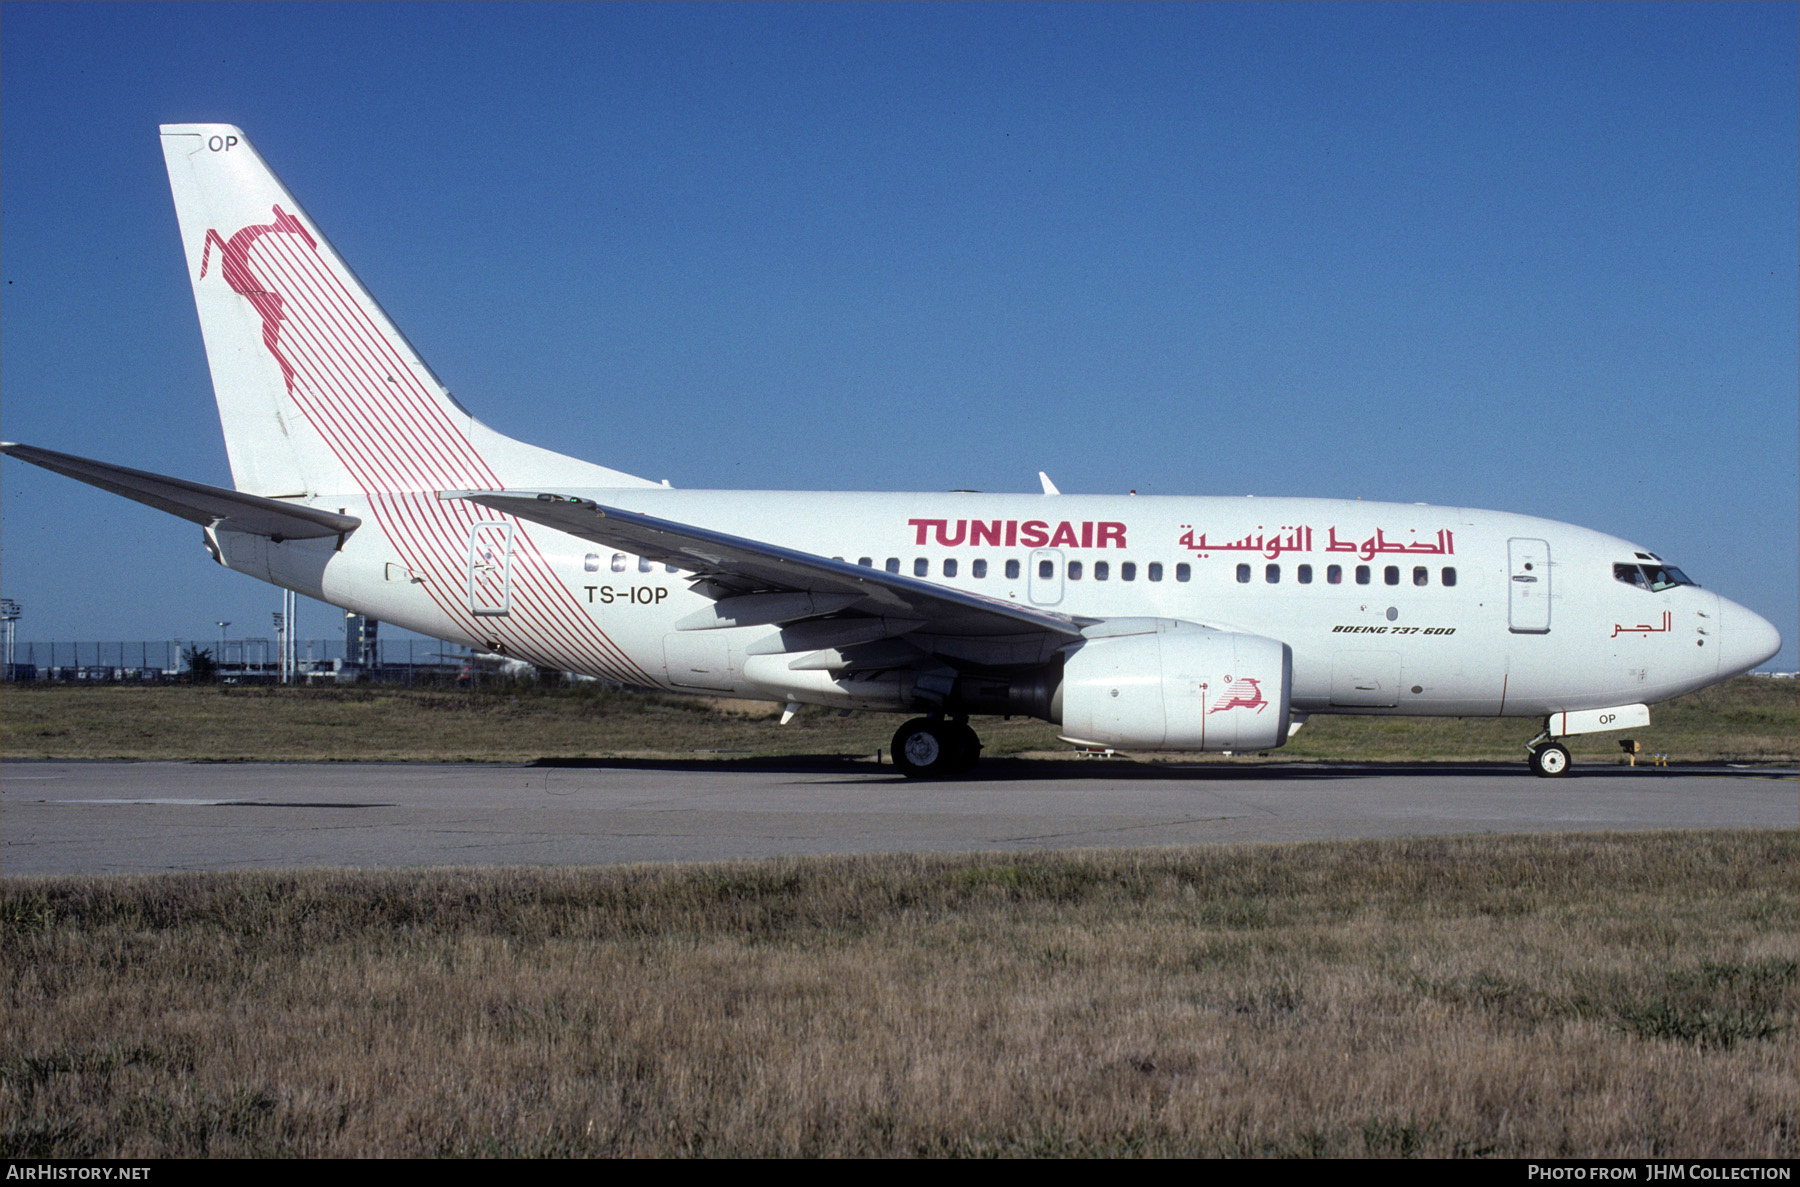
column 202, row 668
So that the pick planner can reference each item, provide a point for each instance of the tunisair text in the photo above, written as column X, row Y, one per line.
column 1013, row 533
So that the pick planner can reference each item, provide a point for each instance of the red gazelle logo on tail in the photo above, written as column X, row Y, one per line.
column 234, row 263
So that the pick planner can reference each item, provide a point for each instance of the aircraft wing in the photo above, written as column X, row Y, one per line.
column 739, row 566
column 209, row 506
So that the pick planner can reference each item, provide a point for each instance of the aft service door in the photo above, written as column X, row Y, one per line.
column 490, row 569
column 1528, row 586
column 1046, row 576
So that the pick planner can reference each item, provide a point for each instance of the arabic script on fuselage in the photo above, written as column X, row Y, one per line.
column 1645, row 628
column 1299, row 538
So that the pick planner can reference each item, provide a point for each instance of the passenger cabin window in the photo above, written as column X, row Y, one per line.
column 1074, row 570
column 1303, row 574
column 1362, row 574
column 1272, row 574
column 1154, row 571
column 1102, row 570
column 1449, row 576
column 1012, row 570
column 644, row 565
column 1183, row 572
column 1046, row 570
column 1421, row 575
column 978, row 570
column 893, row 564
column 1391, row 574
column 949, row 567
column 618, row 562
column 867, row 562
column 1334, row 574
column 1128, row 571
column 1243, row 574
column 921, row 567
column 590, row 563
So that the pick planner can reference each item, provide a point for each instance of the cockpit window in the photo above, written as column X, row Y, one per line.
column 1667, row 577
column 1653, row 577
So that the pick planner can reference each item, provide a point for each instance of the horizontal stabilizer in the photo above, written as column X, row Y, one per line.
column 209, row 506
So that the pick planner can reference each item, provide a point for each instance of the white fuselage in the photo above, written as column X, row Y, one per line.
column 1388, row 608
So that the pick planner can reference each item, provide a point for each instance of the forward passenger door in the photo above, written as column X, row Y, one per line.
column 1528, row 590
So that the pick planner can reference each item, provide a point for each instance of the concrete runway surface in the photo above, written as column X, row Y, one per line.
column 115, row 817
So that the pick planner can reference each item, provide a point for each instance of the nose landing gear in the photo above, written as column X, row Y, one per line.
column 932, row 748
column 1548, row 758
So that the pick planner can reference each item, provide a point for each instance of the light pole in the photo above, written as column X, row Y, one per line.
column 9, row 615
column 290, row 655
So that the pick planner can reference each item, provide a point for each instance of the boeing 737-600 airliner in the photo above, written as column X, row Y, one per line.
column 1135, row 623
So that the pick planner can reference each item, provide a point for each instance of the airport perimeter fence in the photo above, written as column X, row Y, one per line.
column 240, row 661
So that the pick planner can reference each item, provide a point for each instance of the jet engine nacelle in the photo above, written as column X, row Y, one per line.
column 1176, row 685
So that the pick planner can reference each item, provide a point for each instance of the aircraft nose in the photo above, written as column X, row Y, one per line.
column 1746, row 638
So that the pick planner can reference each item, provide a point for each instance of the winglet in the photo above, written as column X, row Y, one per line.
column 1049, row 486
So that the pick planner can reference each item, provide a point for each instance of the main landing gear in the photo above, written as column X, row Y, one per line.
column 933, row 747
column 1548, row 758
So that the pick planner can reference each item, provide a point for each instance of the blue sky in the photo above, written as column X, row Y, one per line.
column 1540, row 258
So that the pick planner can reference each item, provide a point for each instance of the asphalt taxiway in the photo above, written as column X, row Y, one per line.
column 148, row 817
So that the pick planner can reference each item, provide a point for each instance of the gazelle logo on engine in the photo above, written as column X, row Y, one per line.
column 1240, row 694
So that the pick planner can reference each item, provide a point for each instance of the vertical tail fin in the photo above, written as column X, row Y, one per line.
column 318, row 390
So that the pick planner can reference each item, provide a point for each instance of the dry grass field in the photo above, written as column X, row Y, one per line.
column 1614, row 996
column 1747, row 719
